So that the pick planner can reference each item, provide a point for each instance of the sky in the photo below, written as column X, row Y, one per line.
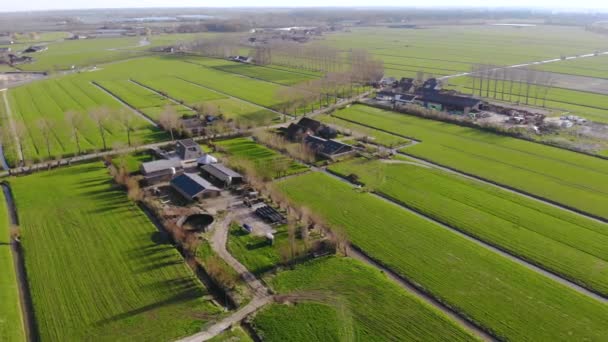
column 8, row 5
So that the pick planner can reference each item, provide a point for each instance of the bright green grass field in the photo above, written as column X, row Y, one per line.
column 566, row 177
column 194, row 95
column 450, row 49
column 376, row 136
column 264, row 158
column 255, row 252
column 350, row 301
column 564, row 243
column 97, row 267
column 52, row 99
column 11, row 321
column 592, row 66
column 512, row 301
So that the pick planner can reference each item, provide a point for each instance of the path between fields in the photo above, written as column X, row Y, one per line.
column 25, row 298
column 527, row 64
column 483, row 244
column 133, row 109
column 164, row 96
column 261, row 294
column 11, row 122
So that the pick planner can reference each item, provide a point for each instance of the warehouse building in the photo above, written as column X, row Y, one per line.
column 221, row 174
column 193, row 187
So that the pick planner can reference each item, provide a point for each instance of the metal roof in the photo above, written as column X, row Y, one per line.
column 192, row 185
column 187, row 143
column 160, row 165
column 221, row 171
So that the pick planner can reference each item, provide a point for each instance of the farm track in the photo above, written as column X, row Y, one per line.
column 553, row 276
column 133, row 109
column 589, row 55
column 261, row 294
column 25, row 297
column 11, row 122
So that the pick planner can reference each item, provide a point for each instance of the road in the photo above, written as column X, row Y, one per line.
column 528, row 64
column 261, row 294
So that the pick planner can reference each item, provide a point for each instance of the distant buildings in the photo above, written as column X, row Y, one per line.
column 35, row 48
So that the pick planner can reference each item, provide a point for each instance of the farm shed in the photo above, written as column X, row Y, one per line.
column 193, row 186
column 404, row 98
column 447, row 102
column 160, row 170
column 206, row 159
column 188, row 150
column 330, row 149
column 385, row 96
column 35, row 48
column 222, row 174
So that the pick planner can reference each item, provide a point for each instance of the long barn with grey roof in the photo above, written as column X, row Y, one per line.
column 222, row 174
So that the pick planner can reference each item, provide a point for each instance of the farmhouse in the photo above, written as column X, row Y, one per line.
column 187, row 150
column 160, row 170
column 35, row 48
column 330, row 149
column 222, row 174
column 306, row 126
column 193, row 126
column 193, row 186
column 449, row 103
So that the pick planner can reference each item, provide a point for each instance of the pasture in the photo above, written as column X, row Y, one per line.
column 52, row 99
column 268, row 163
column 126, row 281
column 372, row 135
column 592, row 67
column 512, row 301
column 344, row 299
column 11, row 321
column 448, row 50
column 562, row 176
column 561, row 242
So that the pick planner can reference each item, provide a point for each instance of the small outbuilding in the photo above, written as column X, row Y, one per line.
column 188, row 150
column 206, row 159
column 161, row 170
column 220, row 173
column 193, row 187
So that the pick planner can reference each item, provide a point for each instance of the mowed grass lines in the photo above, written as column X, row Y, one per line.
column 512, row 301
column 564, row 243
column 195, row 95
column 145, row 100
column 52, row 99
column 569, row 178
column 97, row 267
column 266, row 161
column 375, row 136
column 11, row 321
column 350, row 301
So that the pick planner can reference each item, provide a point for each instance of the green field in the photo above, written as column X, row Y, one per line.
column 235, row 334
column 448, row 50
column 144, row 100
column 512, row 301
column 374, row 135
column 563, row 243
column 592, row 66
column 52, row 99
column 194, row 95
column 11, row 321
column 569, row 178
column 349, row 301
column 266, row 161
column 97, row 267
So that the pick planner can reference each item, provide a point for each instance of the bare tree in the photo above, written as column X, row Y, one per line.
column 100, row 116
column 74, row 119
column 127, row 120
column 169, row 120
column 45, row 127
